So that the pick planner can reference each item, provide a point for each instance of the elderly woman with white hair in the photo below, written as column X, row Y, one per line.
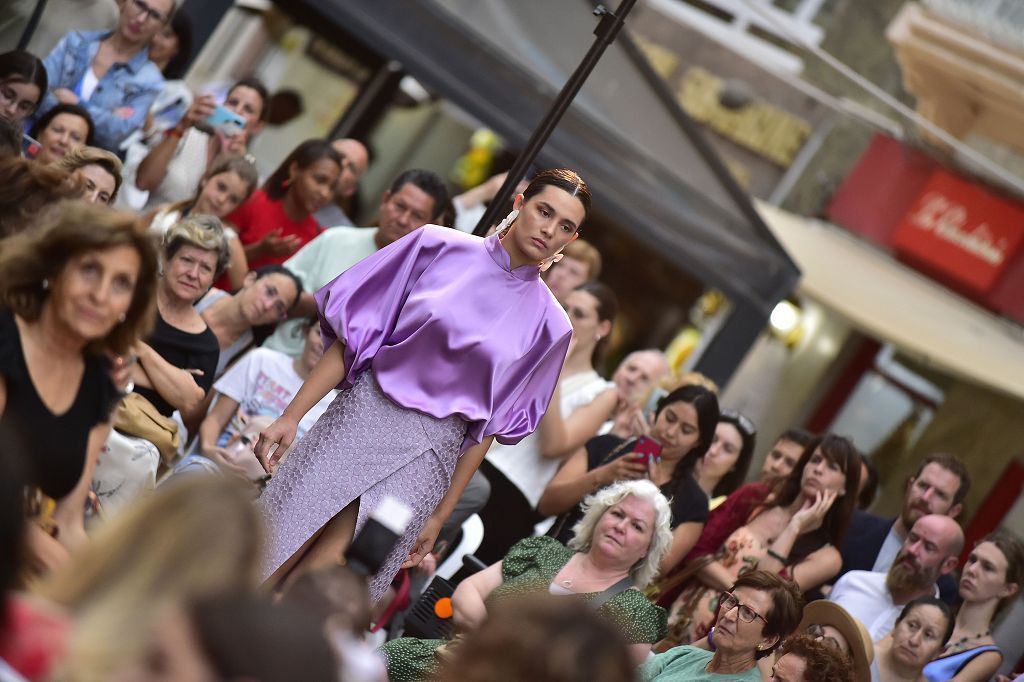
column 615, row 553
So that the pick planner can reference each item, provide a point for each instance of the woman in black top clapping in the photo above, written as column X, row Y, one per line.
column 684, row 425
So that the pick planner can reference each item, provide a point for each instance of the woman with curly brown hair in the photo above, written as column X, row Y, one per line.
column 73, row 292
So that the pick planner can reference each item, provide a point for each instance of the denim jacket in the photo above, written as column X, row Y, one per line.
column 122, row 97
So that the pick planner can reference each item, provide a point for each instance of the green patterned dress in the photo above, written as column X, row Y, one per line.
column 530, row 567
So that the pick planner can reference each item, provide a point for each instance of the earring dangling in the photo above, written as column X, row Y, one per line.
column 507, row 222
column 46, row 284
column 551, row 260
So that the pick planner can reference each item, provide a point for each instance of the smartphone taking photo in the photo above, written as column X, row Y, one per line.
column 225, row 120
column 646, row 450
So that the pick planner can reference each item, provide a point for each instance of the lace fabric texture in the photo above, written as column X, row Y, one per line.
column 363, row 447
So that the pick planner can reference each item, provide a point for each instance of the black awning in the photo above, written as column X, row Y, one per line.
column 503, row 62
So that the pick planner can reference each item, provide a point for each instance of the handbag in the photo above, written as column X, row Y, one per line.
column 138, row 417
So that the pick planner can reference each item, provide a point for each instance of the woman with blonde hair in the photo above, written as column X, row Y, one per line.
column 99, row 170
column 74, row 291
column 178, row 361
column 619, row 544
column 194, row 537
column 230, row 180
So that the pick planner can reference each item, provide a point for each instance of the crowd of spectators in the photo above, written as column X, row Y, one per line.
column 159, row 310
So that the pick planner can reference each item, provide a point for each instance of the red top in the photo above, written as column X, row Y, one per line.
column 33, row 636
column 260, row 215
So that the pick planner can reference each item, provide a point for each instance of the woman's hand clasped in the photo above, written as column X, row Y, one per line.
column 280, row 434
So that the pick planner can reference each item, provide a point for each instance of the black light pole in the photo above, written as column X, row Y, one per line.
column 30, row 27
column 606, row 30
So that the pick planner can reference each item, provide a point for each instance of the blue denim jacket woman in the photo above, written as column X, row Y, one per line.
column 125, row 91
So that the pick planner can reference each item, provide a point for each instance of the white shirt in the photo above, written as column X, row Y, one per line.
column 332, row 252
column 864, row 595
column 523, row 463
column 888, row 551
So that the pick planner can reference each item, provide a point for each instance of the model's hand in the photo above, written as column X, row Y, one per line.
column 424, row 542
column 280, row 434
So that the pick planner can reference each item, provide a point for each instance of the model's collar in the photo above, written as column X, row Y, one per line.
column 500, row 256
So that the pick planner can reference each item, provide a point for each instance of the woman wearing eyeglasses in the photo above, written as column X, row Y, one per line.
column 752, row 617
column 22, row 85
column 793, row 529
column 109, row 72
column 725, row 465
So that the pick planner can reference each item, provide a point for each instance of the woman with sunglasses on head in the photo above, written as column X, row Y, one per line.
column 109, row 72
column 753, row 616
column 725, row 465
column 793, row 529
column 23, row 83
column 440, row 343
column 990, row 582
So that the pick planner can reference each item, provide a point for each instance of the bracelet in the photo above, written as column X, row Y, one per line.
column 778, row 557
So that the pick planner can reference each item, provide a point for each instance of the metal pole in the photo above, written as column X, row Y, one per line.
column 606, row 30
column 30, row 27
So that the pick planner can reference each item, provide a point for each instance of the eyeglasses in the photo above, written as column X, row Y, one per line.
column 728, row 601
column 9, row 96
column 746, row 426
column 817, row 631
column 142, row 7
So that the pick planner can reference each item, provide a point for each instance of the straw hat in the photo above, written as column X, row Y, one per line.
column 823, row 612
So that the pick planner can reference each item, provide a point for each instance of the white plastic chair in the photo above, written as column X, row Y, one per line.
column 472, row 536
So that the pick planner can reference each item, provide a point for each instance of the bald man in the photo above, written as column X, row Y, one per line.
column 638, row 373
column 355, row 158
column 876, row 599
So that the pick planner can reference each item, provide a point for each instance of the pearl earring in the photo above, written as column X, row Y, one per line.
column 122, row 317
column 46, row 284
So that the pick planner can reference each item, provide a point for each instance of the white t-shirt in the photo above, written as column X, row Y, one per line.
column 522, row 463
column 263, row 382
column 864, row 595
column 332, row 252
column 888, row 551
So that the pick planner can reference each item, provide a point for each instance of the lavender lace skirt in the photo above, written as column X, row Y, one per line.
column 363, row 447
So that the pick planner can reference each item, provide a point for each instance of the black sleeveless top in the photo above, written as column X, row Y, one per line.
column 55, row 444
column 184, row 350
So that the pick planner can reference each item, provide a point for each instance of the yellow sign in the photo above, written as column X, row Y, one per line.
column 760, row 127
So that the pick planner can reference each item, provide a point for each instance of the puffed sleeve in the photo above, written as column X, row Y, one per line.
column 533, row 553
column 361, row 306
column 519, row 413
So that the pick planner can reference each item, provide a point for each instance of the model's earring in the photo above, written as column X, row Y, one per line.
column 46, row 284
column 551, row 260
column 507, row 222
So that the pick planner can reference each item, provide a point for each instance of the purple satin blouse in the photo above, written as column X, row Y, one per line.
column 449, row 328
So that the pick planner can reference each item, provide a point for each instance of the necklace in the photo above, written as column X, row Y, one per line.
column 964, row 640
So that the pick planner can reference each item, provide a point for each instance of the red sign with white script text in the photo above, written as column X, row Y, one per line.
column 962, row 231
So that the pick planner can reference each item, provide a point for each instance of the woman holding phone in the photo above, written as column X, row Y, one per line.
column 440, row 342
column 175, row 165
column 681, row 433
